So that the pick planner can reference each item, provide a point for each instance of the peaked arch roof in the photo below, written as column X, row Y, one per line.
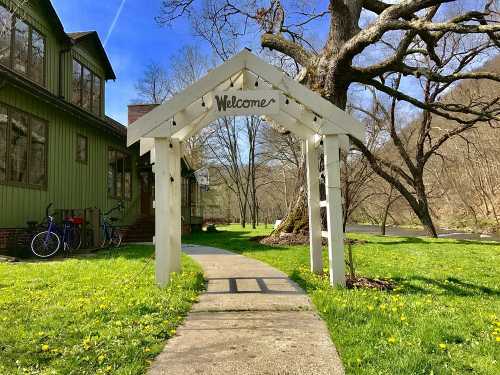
column 302, row 111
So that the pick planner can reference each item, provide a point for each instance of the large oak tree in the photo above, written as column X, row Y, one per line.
column 411, row 51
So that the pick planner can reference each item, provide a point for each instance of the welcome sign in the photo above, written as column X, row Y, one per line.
column 256, row 102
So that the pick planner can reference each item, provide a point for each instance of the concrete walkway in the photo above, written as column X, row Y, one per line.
column 251, row 320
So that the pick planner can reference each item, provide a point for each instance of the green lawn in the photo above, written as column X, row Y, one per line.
column 90, row 316
column 443, row 317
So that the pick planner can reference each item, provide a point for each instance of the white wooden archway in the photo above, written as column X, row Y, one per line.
column 246, row 85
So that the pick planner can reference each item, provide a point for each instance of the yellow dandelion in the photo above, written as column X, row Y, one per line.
column 147, row 350
column 45, row 348
column 383, row 306
column 497, row 339
column 403, row 318
column 101, row 358
column 443, row 346
column 370, row 308
column 391, row 340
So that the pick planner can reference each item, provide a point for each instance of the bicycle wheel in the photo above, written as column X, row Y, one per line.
column 45, row 244
column 75, row 239
column 116, row 238
column 105, row 238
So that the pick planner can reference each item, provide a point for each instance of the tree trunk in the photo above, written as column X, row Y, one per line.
column 386, row 212
column 297, row 218
column 423, row 211
column 425, row 218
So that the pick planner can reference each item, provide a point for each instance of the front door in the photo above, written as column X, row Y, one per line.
column 147, row 193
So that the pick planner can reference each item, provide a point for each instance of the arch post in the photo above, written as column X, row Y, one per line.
column 175, row 219
column 162, row 205
column 334, row 210
column 315, row 240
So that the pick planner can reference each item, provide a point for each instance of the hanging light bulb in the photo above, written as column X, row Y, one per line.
column 287, row 101
column 203, row 102
column 173, row 122
column 231, row 80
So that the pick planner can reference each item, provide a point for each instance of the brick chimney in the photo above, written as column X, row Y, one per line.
column 136, row 111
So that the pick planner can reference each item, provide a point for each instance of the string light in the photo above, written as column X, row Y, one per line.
column 203, row 102
column 173, row 122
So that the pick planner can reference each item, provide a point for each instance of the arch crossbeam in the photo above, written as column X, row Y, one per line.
column 246, row 85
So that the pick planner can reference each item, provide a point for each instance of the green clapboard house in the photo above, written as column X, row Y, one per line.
column 56, row 143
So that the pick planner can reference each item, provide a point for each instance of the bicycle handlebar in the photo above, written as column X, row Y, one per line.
column 118, row 207
column 47, row 209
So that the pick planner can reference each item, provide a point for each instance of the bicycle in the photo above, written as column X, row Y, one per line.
column 47, row 243
column 111, row 236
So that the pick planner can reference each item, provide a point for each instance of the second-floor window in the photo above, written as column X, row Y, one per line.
column 22, row 47
column 23, row 149
column 87, row 88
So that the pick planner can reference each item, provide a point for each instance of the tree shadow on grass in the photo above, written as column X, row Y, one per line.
column 450, row 286
column 400, row 240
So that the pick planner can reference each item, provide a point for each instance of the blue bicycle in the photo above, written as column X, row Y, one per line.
column 48, row 242
column 111, row 235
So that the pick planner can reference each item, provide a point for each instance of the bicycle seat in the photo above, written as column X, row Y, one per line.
column 114, row 219
column 76, row 220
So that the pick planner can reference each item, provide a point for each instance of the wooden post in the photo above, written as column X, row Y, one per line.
column 175, row 222
column 315, row 240
column 334, row 210
column 95, row 223
column 163, row 192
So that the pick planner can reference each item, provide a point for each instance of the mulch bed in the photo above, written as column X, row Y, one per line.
column 366, row 283
column 301, row 238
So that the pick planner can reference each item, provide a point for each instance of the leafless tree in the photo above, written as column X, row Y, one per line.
column 228, row 140
column 161, row 81
column 412, row 39
column 154, row 86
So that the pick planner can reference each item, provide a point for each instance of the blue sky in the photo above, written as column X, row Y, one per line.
column 135, row 41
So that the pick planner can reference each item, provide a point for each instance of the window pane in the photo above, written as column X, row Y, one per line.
column 87, row 89
column 38, row 163
column 21, row 45
column 37, row 57
column 76, row 96
column 19, row 148
column 81, row 148
column 3, row 143
column 111, row 173
column 128, row 178
column 96, row 96
column 5, row 33
column 119, row 175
